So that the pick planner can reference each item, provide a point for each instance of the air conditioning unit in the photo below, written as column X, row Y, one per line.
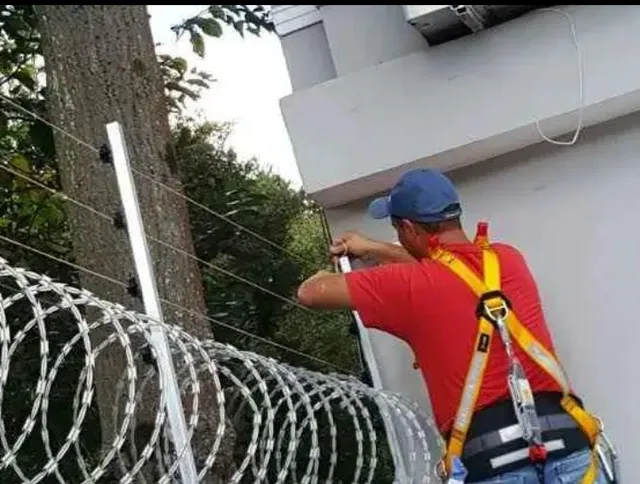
column 444, row 23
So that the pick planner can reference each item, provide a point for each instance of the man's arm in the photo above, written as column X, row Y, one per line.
column 380, row 294
column 359, row 246
column 325, row 290
column 386, row 253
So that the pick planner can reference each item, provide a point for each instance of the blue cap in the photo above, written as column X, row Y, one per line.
column 422, row 195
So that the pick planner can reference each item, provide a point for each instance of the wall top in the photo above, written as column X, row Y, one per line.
column 289, row 18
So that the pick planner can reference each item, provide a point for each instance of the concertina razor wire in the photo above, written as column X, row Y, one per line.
column 285, row 424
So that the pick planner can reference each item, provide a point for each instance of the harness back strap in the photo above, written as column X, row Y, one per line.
column 477, row 367
column 589, row 424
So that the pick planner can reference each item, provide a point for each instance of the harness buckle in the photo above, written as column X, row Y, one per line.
column 493, row 306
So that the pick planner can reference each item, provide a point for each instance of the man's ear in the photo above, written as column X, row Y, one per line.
column 409, row 227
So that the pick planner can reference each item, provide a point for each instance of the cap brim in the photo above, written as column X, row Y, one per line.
column 379, row 208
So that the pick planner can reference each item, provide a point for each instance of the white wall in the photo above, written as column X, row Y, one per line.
column 457, row 103
column 308, row 57
column 571, row 210
column 360, row 36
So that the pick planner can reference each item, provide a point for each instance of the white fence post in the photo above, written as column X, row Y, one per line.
column 144, row 269
column 370, row 359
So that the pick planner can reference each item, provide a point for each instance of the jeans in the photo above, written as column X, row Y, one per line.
column 568, row 470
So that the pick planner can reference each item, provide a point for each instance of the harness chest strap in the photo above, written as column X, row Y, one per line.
column 534, row 349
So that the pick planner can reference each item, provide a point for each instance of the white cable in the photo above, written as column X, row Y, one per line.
column 574, row 38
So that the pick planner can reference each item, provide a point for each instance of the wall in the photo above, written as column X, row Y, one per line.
column 569, row 210
column 460, row 102
column 360, row 36
column 308, row 57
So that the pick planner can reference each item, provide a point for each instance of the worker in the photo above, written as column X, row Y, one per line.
column 433, row 291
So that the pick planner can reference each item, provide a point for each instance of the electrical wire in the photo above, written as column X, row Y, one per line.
column 574, row 38
column 218, row 215
column 161, row 184
column 103, row 215
column 49, row 123
column 232, row 275
column 167, row 301
column 209, row 265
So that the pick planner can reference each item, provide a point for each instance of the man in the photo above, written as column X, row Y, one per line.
column 422, row 301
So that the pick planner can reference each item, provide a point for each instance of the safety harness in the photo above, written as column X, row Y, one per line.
column 494, row 312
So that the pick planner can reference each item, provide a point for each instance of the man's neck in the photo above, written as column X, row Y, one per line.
column 456, row 236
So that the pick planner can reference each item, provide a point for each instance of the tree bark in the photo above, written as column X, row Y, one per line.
column 101, row 67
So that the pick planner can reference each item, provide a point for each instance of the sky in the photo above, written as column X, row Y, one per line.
column 251, row 78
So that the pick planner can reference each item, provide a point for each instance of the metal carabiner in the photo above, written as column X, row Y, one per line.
column 610, row 464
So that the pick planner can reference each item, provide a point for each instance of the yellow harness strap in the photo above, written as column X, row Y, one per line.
column 589, row 424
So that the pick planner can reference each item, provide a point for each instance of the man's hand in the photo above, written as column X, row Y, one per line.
column 352, row 244
column 359, row 246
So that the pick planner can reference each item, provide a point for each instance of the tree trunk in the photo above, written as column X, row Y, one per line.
column 101, row 67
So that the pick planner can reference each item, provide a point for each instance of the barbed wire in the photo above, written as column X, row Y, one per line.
column 295, row 423
column 173, row 304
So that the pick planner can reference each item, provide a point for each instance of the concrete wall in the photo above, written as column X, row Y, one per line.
column 457, row 103
column 386, row 103
column 570, row 210
column 308, row 57
column 360, row 36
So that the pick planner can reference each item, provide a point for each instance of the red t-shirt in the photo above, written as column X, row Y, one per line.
column 433, row 310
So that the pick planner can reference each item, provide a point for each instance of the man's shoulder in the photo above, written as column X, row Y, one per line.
column 504, row 248
column 510, row 256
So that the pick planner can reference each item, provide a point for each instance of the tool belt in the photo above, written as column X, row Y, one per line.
column 495, row 445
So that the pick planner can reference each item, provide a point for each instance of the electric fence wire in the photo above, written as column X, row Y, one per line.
column 166, row 187
column 162, row 185
column 107, row 217
column 185, row 253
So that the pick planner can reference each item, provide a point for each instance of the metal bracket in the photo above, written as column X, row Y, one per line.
column 106, row 155
column 472, row 17
column 119, row 221
column 133, row 288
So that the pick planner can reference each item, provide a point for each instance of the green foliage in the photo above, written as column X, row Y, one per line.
column 264, row 203
column 181, row 83
column 252, row 18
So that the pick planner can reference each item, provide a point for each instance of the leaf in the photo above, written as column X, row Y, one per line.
column 197, row 42
column 179, row 64
column 239, row 26
column 216, row 11
column 25, row 76
column 209, row 26
column 174, row 86
column 4, row 123
column 21, row 162
column 41, row 136
column 198, row 82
